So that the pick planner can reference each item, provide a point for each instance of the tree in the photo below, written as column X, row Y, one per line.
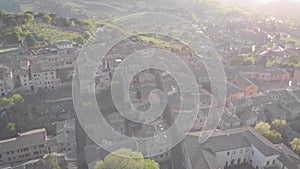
column 272, row 135
column 262, row 127
column 51, row 162
column 126, row 159
column 295, row 143
column 243, row 59
column 47, row 18
column 279, row 125
column 11, row 127
column 29, row 17
column 17, row 98
column 4, row 102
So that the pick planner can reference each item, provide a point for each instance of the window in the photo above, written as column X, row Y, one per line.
column 234, row 152
column 226, row 163
column 228, row 153
column 268, row 162
column 252, row 152
column 274, row 161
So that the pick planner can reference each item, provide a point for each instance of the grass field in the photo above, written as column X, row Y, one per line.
column 50, row 35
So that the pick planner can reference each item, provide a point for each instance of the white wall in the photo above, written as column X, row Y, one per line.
column 242, row 153
column 259, row 160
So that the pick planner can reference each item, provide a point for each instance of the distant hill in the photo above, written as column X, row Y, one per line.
column 282, row 8
column 277, row 8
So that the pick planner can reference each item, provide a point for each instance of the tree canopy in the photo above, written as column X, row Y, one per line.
column 262, row 127
column 15, row 98
column 11, row 127
column 265, row 129
column 126, row 159
column 279, row 125
column 274, row 136
column 295, row 143
column 51, row 162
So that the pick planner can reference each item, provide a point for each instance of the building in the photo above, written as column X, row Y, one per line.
column 27, row 146
column 249, row 118
column 233, row 92
column 102, row 78
column 258, row 73
column 65, row 138
column 229, row 120
column 6, row 80
column 41, row 163
column 64, row 59
column 243, row 83
column 64, row 45
column 273, row 112
column 21, row 74
column 43, row 76
column 64, row 141
column 147, row 79
column 233, row 148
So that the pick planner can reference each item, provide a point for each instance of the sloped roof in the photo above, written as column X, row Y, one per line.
column 28, row 139
column 203, row 155
column 232, row 89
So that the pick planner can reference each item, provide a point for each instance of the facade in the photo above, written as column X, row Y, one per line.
column 245, row 84
column 258, row 73
column 6, row 80
column 41, row 163
column 44, row 76
column 60, row 61
column 21, row 76
column 27, row 146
